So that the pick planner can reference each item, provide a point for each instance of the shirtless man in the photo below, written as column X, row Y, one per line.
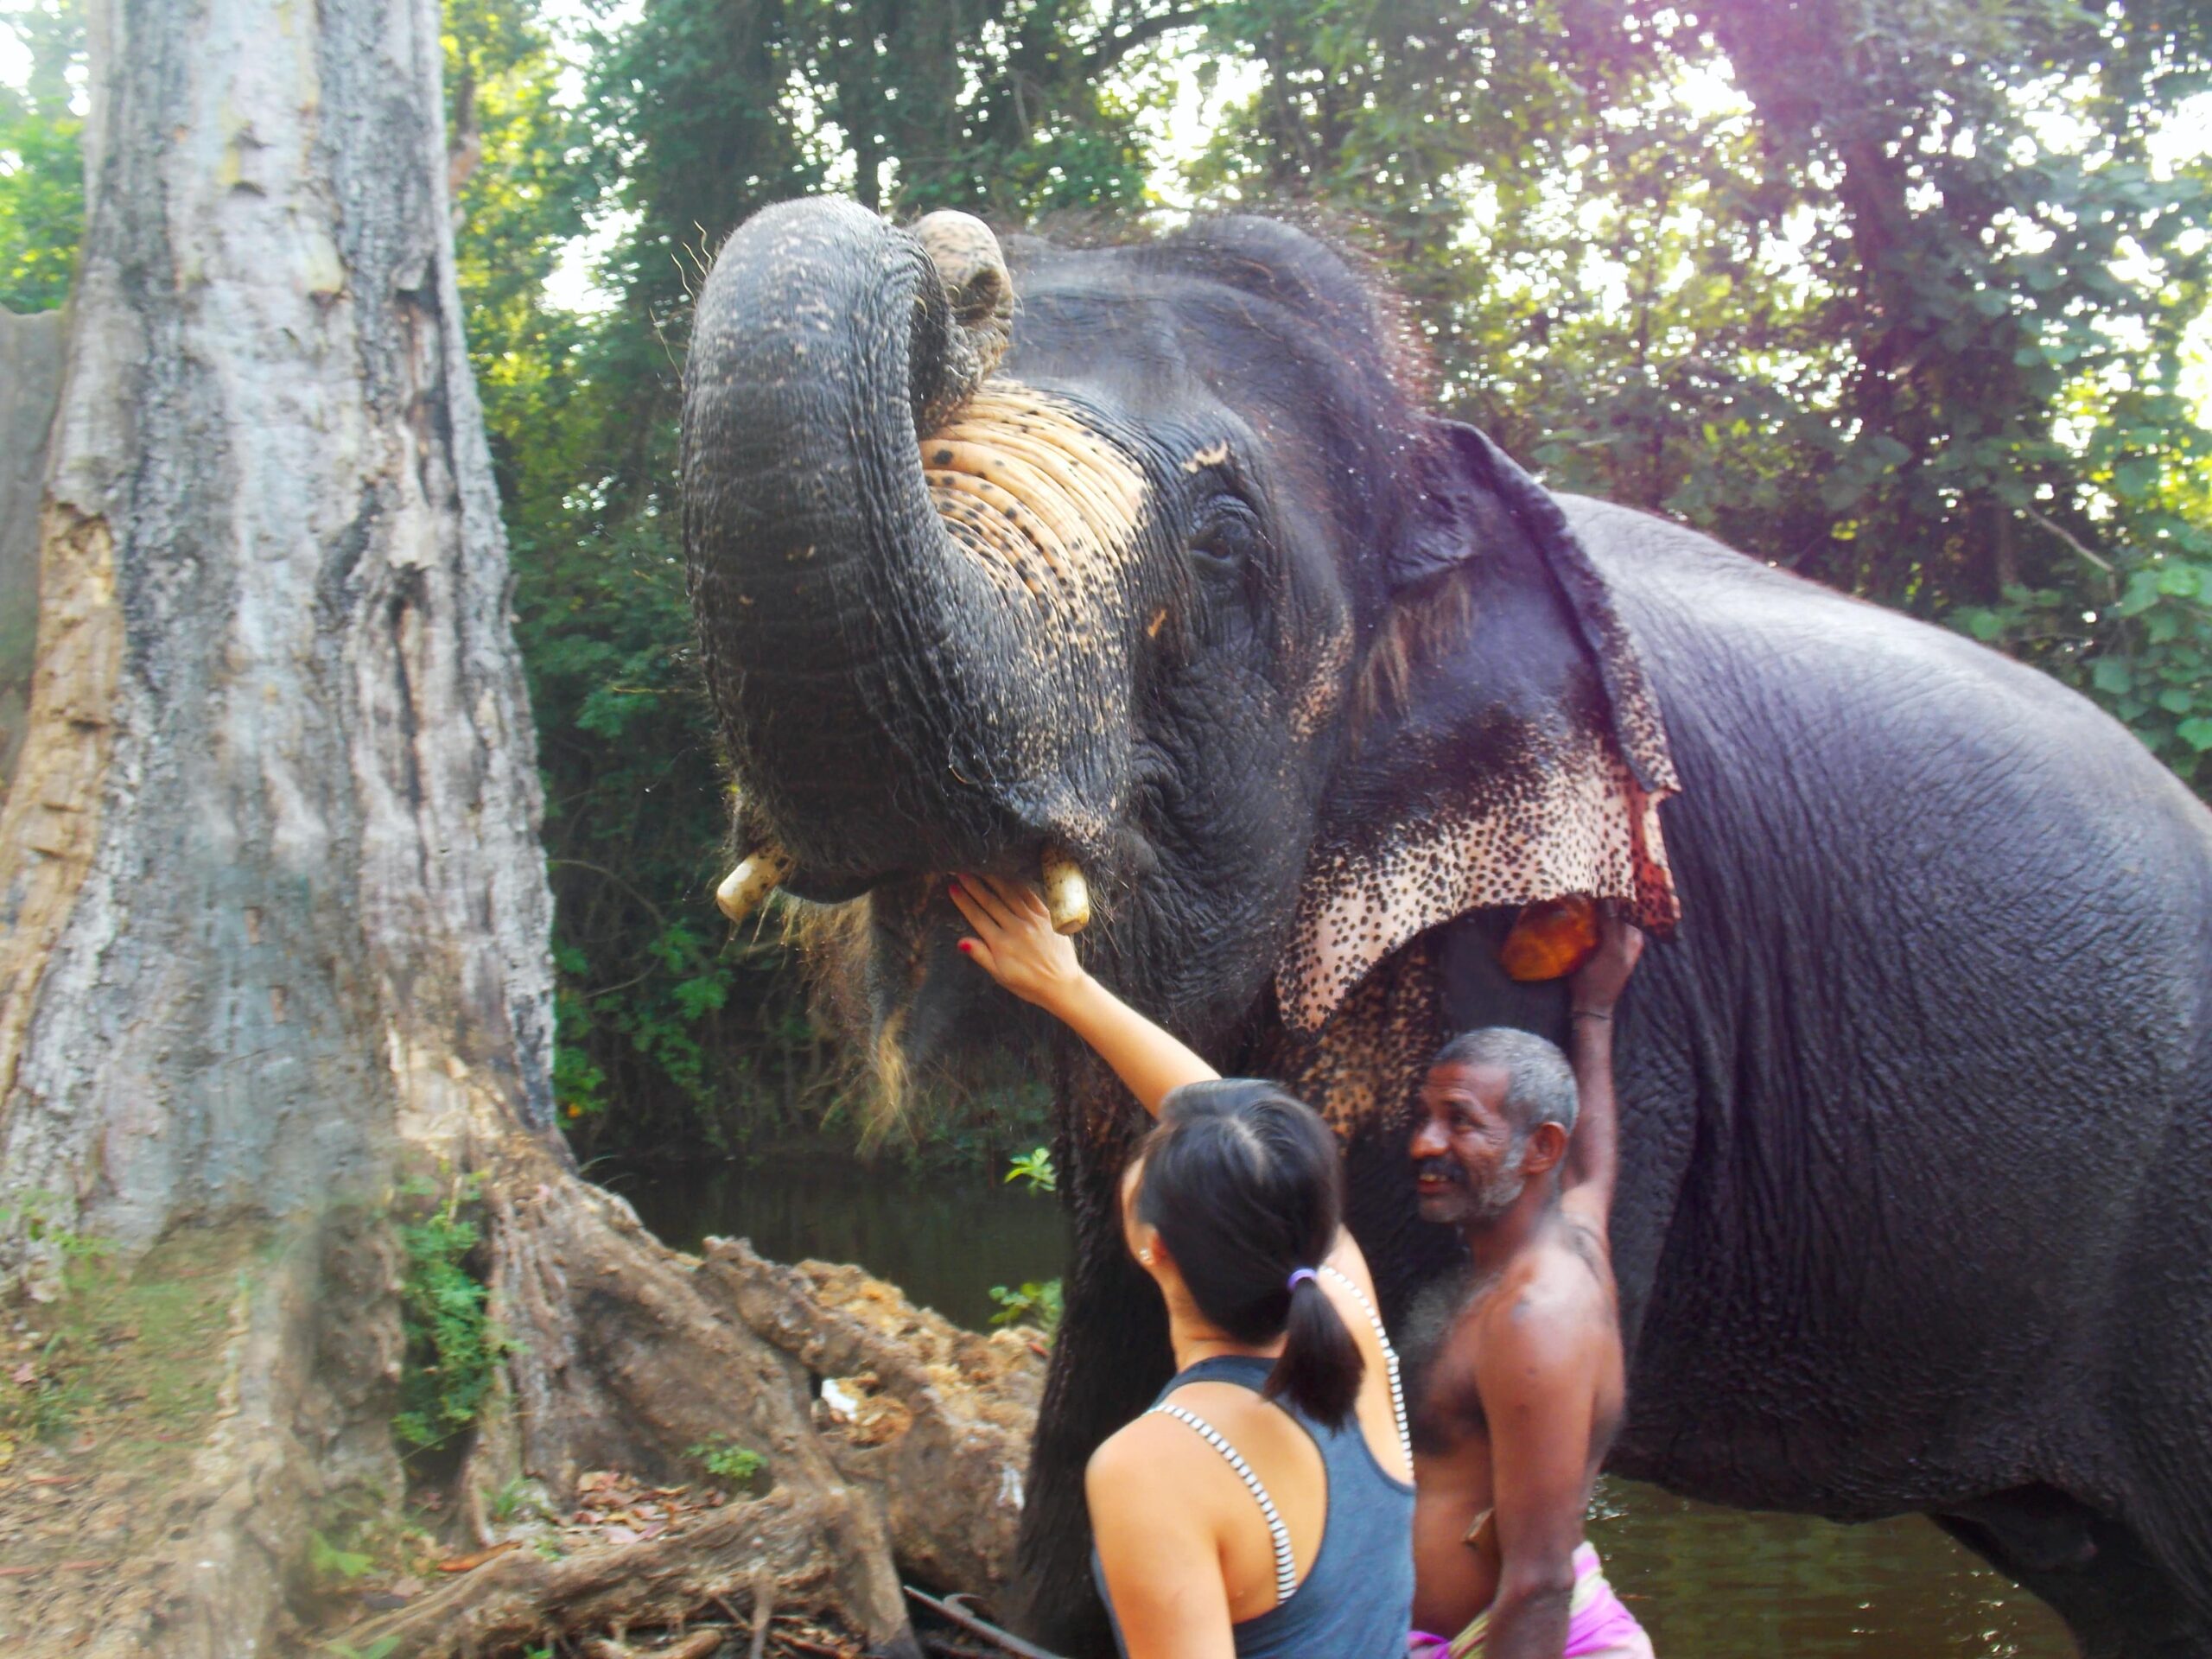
column 1526, row 1386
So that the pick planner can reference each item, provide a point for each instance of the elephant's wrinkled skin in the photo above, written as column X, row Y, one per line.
column 1918, row 1103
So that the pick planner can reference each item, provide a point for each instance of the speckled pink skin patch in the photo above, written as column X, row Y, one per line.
column 1577, row 821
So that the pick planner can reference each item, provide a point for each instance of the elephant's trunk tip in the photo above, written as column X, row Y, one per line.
column 979, row 293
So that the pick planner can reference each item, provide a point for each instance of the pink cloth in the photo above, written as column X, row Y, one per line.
column 1603, row 1629
column 1599, row 1627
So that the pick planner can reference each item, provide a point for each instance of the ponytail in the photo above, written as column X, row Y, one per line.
column 1246, row 1188
column 1320, row 1368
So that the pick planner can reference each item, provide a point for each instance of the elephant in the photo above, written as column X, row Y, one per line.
column 1149, row 571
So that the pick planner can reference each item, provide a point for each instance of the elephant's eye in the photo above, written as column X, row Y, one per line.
column 1228, row 538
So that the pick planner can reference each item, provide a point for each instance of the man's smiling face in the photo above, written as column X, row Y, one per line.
column 1467, row 1152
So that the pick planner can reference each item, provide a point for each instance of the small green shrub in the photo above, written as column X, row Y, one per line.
column 519, row 1496
column 454, row 1349
column 332, row 1565
column 45, row 1394
column 37, row 1213
column 1035, row 1302
column 725, row 1459
column 1036, row 1168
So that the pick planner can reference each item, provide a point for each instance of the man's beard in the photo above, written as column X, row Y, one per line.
column 1472, row 1205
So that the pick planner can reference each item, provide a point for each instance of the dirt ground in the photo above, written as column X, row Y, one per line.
column 108, row 1394
column 111, row 1396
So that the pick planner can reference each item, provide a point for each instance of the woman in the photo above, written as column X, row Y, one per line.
column 1264, row 1507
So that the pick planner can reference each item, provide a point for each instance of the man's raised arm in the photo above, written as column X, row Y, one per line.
column 1593, row 1155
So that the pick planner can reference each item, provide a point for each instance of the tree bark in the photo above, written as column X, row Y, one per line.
column 30, row 384
column 277, row 922
column 279, row 807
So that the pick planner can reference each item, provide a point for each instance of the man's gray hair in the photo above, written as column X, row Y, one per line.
column 1540, row 1083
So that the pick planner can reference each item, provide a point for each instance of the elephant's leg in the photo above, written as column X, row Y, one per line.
column 1109, row 1359
column 2116, row 1597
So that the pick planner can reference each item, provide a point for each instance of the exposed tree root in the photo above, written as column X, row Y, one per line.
column 630, row 1354
column 627, row 1355
column 792, row 1539
column 941, row 1417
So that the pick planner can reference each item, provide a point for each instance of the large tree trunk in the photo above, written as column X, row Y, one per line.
column 278, row 924
column 30, row 383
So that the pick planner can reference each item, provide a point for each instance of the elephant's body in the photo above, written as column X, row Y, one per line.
column 1918, row 1105
column 1917, row 1102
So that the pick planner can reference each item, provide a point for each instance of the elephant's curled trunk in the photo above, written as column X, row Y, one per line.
column 846, row 639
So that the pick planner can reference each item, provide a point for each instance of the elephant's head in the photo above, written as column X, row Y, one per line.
column 1144, row 560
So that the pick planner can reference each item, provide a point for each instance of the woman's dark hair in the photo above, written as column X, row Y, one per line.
column 1244, row 1186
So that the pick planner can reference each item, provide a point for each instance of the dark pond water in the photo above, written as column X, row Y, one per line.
column 944, row 1238
column 1707, row 1582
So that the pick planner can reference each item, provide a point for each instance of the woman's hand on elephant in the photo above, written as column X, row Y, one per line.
column 1014, row 944
column 1013, row 941
column 1598, row 984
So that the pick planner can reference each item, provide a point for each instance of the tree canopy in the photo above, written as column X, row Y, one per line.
column 1901, row 296
column 41, row 164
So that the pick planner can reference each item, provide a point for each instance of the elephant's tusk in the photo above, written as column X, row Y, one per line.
column 753, row 881
column 1067, row 895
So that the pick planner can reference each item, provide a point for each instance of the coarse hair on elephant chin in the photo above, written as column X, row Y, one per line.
column 834, row 943
column 893, row 1094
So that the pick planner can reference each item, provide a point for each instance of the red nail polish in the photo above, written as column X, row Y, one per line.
column 965, row 948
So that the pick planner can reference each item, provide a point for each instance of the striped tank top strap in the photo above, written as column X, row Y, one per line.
column 1389, row 1357
column 1286, row 1567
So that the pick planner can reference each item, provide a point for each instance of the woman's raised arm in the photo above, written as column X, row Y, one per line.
column 1014, row 942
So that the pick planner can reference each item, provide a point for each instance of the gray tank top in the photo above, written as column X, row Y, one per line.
column 1357, row 1599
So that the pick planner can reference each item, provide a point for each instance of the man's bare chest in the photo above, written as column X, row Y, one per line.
column 1448, row 1417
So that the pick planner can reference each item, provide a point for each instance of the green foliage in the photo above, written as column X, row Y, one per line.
column 1033, row 1302
column 1898, row 294
column 41, row 158
column 382, row 1648
column 452, row 1349
column 1892, row 294
column 331, row 1566
column 519, row 1496
column 725, row 1459
column 700, row 1036
column 1036, row 1169
column 36, row 1215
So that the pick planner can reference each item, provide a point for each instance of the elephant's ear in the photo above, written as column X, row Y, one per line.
column 1510, row 746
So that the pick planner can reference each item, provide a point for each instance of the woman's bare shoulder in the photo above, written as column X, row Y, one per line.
column 1137, row 1450
column 1154, row 1470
